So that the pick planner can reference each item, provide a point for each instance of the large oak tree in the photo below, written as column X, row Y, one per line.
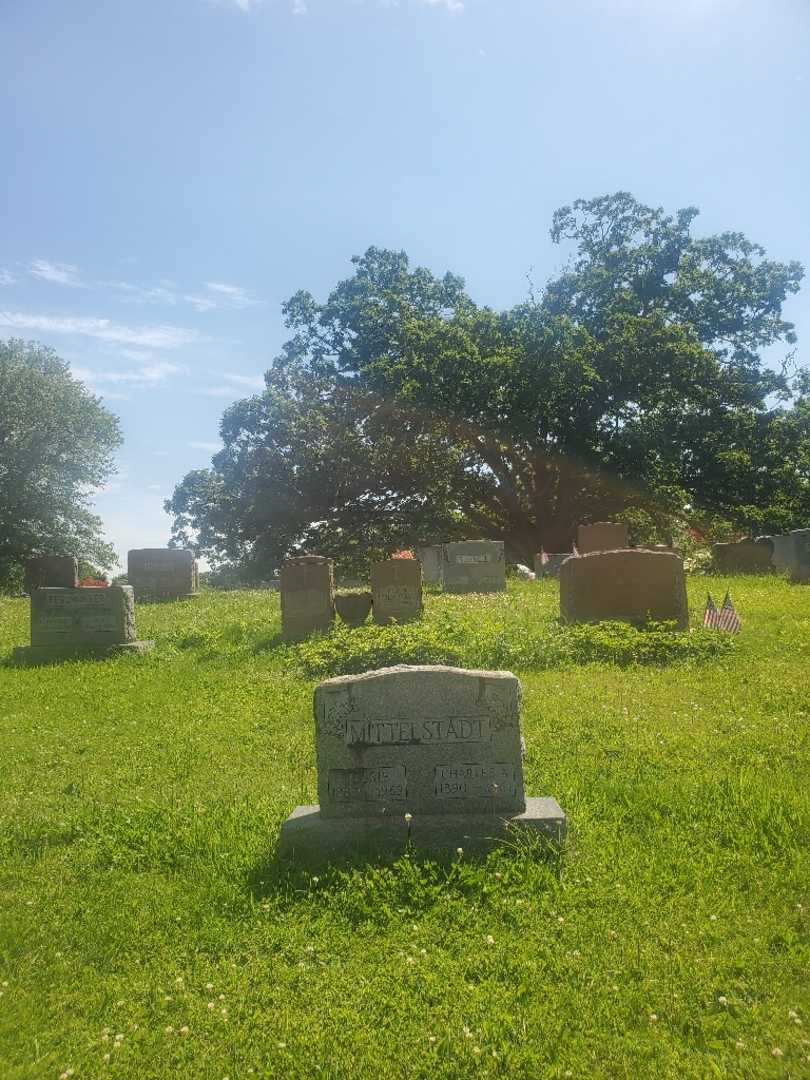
column 401, row 411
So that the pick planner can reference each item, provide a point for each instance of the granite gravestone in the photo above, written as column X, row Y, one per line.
column 440, row 745
column 744, row 557
column 602, row 536
column 162, row 572
column 77, row 622
column 473, row 566
column 782, row 558
column 800, row 555
column 307, row 586
column 552, row 564
column 632, row 585
column 430, row 557
column 396, row 586
column 51, row 572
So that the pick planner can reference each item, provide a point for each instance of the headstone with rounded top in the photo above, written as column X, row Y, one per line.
column 82, row 622
column 396, row 588
column 473, row 566
column 632, row 585
column 307, row 584
column 430, row 755
column 602, row 536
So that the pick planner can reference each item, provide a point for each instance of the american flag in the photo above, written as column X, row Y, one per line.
column 543, row 557
column 724, row 619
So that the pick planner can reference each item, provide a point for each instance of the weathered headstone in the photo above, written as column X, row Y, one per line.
column 552, row 564
column 602, row 536
column 439, row 744
column 77, row 622
column 353, row 607
column 162, row 572
column 632, row 585
column 782, row 558
column 430, row 557
column 51, row 572
column 396, row 586
column 744, row 557
column 307, row 596
column 800, row 555
column 473, row 566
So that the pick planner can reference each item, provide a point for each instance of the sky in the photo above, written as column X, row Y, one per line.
column 173, row 170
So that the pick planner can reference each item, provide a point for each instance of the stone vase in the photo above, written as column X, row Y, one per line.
column 353, row 607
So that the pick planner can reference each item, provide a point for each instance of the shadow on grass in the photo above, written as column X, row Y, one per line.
column 372, row 886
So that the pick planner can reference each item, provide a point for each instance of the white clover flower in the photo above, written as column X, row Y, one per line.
column 476, row 1049
column 184, row 1029
column 211, row 1005
column 653, row 1018
column 106, row 1058
column 408, row 818
column 722, row 1000
column 489, row 939
column 459, row 851
column 169, row 1030
column 776, row 1052
column 209, row 987
column 431, row 1038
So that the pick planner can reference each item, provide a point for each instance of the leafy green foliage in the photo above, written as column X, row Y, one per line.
column 402, row 412
column 56, row 442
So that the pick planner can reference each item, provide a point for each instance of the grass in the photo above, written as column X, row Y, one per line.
column 140, row 801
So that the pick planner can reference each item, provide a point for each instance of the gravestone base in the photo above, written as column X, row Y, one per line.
column 307, row 837
column 45, row 654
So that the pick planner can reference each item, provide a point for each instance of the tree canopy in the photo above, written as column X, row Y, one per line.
column 400, row 411
column 57, row 443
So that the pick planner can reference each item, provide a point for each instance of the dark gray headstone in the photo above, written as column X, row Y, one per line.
column 473, row 566
column 51, row 572
column 162, row 572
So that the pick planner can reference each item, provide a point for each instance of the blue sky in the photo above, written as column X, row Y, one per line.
column 175, row 169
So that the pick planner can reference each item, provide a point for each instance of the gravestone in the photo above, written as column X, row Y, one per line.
column 473, row 566
column 440, row 744
column 602, row 536
column 551, row 567
column 800, row 555
column 430, row 557
column 82, row 622
column 782, row 558
column 162, row 572
column 51, row 572
column 632, row 585
column 744, row 557
column 396, row 586
column 307, row 596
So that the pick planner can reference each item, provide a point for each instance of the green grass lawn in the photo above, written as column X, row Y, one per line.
column 146, row 931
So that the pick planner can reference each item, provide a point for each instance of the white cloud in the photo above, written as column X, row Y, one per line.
column 214, row 447
column 455, row 7
column 137, row 294
column 299, row 7
column 142, row 378
column 253, row 382
column 56, row 273
column 215, row 295
column 150, row 337
column 6, row 278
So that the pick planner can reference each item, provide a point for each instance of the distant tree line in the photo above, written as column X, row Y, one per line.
column 633, row 385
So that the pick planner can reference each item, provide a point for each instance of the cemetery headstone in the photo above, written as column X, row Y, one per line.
column 396, row 586
column 632, row 585
column 166, row 573
column 78, row 622
column 602, row 536
column 353, row 607
column 440, row 745
column 51, row 572
column 307, row 586
column 551, row 566
column 782, row 558
column 473, row 566
column 744, row 557
column 800, row 554
column 430, row 557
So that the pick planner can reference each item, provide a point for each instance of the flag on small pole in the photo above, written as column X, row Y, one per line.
column 543, row 556
column 725, row 618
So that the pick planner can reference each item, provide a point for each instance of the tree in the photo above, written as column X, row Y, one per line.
column 56, row 444
column 401, row 411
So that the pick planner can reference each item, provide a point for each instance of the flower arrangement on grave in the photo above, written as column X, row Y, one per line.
column 403, row 555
